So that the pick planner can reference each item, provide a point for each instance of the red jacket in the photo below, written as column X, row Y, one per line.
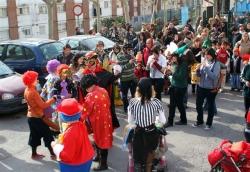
column 97, row 109
column 222, row 56
column 140, row 73
column 77, row 146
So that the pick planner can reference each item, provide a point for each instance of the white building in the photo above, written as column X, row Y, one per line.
column 31, row 18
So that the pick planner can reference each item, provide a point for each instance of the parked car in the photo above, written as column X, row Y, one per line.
column 86, row 43
column 30, row 54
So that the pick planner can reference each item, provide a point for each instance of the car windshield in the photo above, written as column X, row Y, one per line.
column 51, row 50
column 5, row 70
column 91, row 43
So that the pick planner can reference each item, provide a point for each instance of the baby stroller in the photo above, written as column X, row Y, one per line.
column 159, row 163
column 230, row 157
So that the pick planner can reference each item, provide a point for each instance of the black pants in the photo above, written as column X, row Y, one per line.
column 158, row 84
column 203, row 93
column 125, row 86
column 39, row 130
column 102, row 152
column 176, row 100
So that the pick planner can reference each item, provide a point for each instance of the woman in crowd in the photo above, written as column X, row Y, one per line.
column 209, row 72
column 142, row 112
column 155, row 63
column 196, row 49
column 147, row 51
column 178, row 88
column 243, row 44
column 76, row 63
column 141, row 43
column 38, row 123
column 131, row 35
column 210, row 24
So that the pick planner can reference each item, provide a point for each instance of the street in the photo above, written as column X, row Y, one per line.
column 188, row 147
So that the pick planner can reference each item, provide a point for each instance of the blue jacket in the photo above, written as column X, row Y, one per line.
column 209, row 75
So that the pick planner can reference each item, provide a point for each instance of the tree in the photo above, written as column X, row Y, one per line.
column 50, row 4
column 165, row 11
column 214, row 3
column 98, row 15
column 125, row 8
column 154, row 3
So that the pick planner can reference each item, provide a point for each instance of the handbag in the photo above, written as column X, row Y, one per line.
column 45, row 119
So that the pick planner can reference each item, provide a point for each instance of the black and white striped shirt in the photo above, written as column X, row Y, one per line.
column 145, row 115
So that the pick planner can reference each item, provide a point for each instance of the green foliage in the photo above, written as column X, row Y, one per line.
column 106, row 22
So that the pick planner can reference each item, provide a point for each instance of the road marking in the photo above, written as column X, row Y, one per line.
column 6, row 166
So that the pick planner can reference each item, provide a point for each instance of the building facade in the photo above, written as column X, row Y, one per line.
column 21, row 19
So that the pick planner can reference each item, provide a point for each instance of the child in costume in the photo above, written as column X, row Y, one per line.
column 48, row 88
column 235, row 70
column 96, row 110
column 64, row 88
column 74, row 149
column 38, row 123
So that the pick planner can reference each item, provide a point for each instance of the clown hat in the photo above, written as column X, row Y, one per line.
column 181, row 50
column 70, row 109
column 91, row 55
column 206, row 43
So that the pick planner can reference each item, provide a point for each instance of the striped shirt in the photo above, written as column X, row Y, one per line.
column 145, row 115
column 127, row 68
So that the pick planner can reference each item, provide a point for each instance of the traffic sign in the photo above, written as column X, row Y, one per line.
column 77, row 10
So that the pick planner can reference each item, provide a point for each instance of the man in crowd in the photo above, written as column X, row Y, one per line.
column 128, row 78
column 66, row 56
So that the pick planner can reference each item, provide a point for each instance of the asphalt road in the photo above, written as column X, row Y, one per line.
column 188, row 147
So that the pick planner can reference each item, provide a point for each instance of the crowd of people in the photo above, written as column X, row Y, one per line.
column 83, row 90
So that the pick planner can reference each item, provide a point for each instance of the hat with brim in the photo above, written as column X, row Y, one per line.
column 70, row 109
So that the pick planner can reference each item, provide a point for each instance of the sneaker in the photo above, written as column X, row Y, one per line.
column 52, row 156
column 207, row 127
column 37, row 156
column 221, row 90
column 196, row 125
column 180, row 123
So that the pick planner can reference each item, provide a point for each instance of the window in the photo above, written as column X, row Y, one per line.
column 74, row 44
column 106, row 4
column 4, row 34
column 135, row 9
column 61, row 8
column 42, row 9
column 27, row 32
column 51, row 50
column 3, row 12
column 23, row 10
column 29, row 53
column 42, row 29
column 135, row 19
column 1, row 51
column 14, row 53
column 61, row 27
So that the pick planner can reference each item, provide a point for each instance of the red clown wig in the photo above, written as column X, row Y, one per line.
column 29, row 78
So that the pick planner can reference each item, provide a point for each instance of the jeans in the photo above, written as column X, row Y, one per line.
column 125, row 85
column 158, row 84
column 203, row 93
column 205, row 107
column 176, row 100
